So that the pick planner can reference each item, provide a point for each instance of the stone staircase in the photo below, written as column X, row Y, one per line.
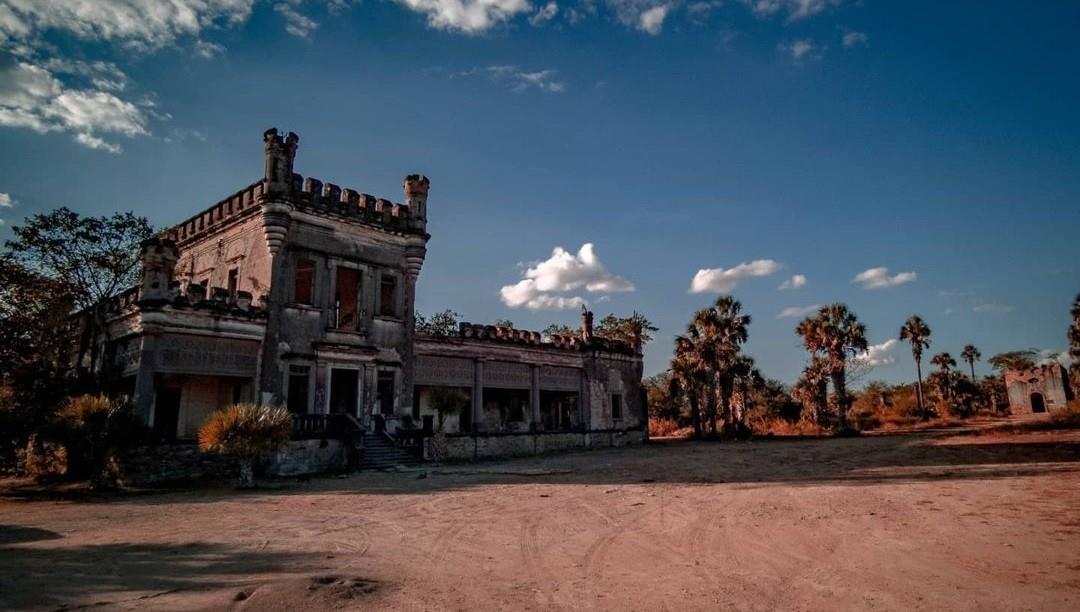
column 380, row 454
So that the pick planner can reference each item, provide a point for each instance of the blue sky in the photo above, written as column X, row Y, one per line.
column 738, row 143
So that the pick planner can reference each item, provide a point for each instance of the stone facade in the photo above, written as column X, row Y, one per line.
column 1044, row 388
column 298, row 292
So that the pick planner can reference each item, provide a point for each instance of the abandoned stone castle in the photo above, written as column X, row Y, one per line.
column 300, row 293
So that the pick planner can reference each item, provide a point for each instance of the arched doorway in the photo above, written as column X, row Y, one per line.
column 1037, row 404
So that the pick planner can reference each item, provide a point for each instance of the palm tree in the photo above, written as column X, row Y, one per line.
column 834, row 334
column 688, row 376
column 723, row 329
column 812, row 390
column 945, row 364
column 970, row 354
column 917, row 332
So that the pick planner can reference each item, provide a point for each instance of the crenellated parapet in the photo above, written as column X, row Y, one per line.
column 510, row 335
column 238, row 205
column 315, row 196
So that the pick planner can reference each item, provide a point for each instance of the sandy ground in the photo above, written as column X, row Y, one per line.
column 876, row 523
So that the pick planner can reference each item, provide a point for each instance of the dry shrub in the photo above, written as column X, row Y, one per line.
column 774, row 426
column 1066, row 418
column 663, row 428
column 92, row 428
column 247, row 432
column 42, row 460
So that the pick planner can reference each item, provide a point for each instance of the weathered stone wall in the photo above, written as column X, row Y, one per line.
column 465, row 448
column 1048, row 380
column 185, row 462
column 240, row 246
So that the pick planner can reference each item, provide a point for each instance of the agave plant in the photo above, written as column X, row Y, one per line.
column 247, row 432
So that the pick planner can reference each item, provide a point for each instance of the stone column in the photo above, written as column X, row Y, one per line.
column 584, row 401
column 477, row 394
column 537, row 423
column 144, row 379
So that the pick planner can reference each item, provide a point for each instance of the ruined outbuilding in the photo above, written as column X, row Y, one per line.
column 1043, row 388
column 299, row 292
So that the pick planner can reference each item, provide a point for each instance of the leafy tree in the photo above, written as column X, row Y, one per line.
column 635, row 330
column 663, row 404
column 916, row 332
column 970, row 354
column 812, row 390
column 95, row 257
column 247, row 432
column 1015, row 360
column 1074, row 339
column 446, row 401
column 440, row 324
column 945, row 364
column 558, row 329
column 835, row 333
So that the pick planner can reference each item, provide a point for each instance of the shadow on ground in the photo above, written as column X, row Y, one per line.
column 100, row 575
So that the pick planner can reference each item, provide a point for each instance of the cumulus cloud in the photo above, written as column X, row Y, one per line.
column 208, row 50
column 878, row 354
column 795, row 282
column 651, row 21
column 878, row 278
column 798, row 311
column 296, row 23
column 136, row 24
column 545, row 281
column 720, row 280
column 545, row 14
column 32, row 97
column 854, row 39
column 6, row 201
column 467, row 16
column 521, row 80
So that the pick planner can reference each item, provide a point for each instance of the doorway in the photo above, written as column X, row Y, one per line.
column 344, row 387
column 167, row 413
column 1037, row 403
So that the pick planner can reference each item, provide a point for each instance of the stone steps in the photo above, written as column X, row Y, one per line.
column 380, row 454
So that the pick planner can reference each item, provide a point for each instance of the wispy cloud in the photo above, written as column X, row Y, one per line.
column 545, row 283
column 854, row 39
column 721, row 280
column 879, row 278
column 798, row 311
column 991, row 308
column 520, row 80
column 544, row 14
column 795, row 282
column 801, row 50
column 794, row 9
column 296, row 23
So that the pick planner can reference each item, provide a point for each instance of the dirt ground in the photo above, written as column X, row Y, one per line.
column 899, row 522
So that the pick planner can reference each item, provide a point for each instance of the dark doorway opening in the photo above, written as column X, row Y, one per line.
column 343, row 391
column 167, row 412
column 385, row 393
column 298, row 388
column 1037, row 403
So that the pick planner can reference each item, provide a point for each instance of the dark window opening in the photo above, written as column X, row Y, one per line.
column 385, row 393
column 616, row 406
column 511, row 405
column 299, row 378
column 303, row 290
column 388, row 296
column 558, row 410
column 348, row 299
column 234, row 280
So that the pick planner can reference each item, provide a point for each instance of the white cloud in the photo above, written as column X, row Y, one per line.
column 468, row 16
column 208, row 50
column 878, row 354
column 545, row 14
column 6, row 201
column 296, row 23
column 802, row 49
column 989, row 308
column 137, row 24
column 852, row 39
column 795, row 9
column 878, row 278
column 651, row 21
column 795, row 282
column 33, row 97
column 700, row 11
column 521, row 80
column 798, row 311
column 563, row 272
column 720, row 280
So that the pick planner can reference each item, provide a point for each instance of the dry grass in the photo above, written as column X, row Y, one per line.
column 773, row 426
column 665, row 428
